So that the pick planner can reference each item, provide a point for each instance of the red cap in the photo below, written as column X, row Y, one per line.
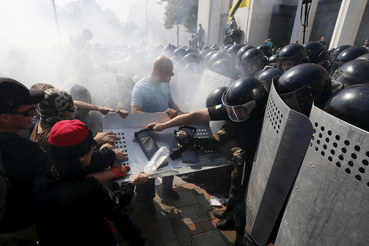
column 69, row 139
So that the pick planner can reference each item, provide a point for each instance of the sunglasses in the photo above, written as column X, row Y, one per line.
column 28, row 112
column 72, row 110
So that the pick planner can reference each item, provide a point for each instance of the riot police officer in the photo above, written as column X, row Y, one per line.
column 242, row 108
column 291, row 55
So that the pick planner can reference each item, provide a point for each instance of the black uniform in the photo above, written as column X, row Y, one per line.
column 238, row 142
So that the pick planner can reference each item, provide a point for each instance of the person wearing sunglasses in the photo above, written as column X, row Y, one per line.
column 21, row 157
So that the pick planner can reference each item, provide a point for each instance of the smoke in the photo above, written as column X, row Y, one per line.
column 103, row 45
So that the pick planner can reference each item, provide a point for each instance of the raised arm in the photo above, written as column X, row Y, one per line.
column 201, row 115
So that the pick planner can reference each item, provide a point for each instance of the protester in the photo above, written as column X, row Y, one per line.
column 21, row 157
column 152, row 94
column 72, row 206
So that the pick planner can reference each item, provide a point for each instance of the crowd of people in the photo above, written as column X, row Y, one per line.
column 61, row 167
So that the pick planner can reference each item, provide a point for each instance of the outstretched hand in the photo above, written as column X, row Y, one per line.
column 156, row 126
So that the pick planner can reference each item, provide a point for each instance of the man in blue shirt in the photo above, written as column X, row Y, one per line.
column 151, row 95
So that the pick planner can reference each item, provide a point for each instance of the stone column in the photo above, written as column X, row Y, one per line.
column 348, row 22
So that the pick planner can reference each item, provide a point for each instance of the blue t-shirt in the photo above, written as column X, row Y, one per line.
column 151, row 96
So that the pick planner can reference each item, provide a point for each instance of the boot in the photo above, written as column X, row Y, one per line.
column 220, row 214
column 226, row 223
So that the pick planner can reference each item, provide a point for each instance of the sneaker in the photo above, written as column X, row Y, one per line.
column 225, row 223
column 172, row 194
column 220, row 214
column 149, row 207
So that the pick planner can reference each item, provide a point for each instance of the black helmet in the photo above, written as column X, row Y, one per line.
column 351, row 105
column 267, row 76
column 208, row 55
column 168, row 50
column 353, row 72
column 244, row 99
column 266, row 49
column 316, row 52
column 291, row 55
column 217, row 56
column 179, row 53
column 189, row 58
column 338, row 50
column 240, row 53
column 215, row 97
column 273, row 60
column 203, row 53
column 302, row 85
column 253, row 61
column 348, row 54
column 363, row 57
column 193, row 50
column 232, row 51
column 225, row 67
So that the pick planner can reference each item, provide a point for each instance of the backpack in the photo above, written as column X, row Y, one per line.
column 4, row 185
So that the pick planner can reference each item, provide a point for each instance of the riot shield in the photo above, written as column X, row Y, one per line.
column 283, row 142
column 137, row 160
column 329, row 204
column 184, row 87
column 209, row 81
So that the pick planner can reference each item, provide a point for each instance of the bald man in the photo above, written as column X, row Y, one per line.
column 151, row 95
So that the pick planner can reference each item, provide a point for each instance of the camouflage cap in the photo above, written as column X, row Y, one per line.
column 54, row 105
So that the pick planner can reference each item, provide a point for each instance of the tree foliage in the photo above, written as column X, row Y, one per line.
column 180, row 12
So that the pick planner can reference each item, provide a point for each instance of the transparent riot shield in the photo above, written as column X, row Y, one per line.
column 209, row 81
column 125, row 129
column 283, row 142
column 329, row 204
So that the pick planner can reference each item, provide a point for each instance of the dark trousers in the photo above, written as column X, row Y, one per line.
column 147, row 191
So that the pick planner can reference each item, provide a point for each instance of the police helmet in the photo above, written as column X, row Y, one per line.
column 346, row 55
column 244, row 99
column 363, row 57
column 267, row 76
column 351, row 105
column 203, row 53
column 179, row 53
column 253, row 61
column 226, row 68
column 189, row 58
column 240, row 53
column 302, row 85
column 232, row 51
column 316, row 52
column 193, row 50
column 291, row 55
column 267, row 50
column 353, row 72
column 273, row 60
column 338, row 50
column 217, row 56
column 215, row 97
column 168, row 50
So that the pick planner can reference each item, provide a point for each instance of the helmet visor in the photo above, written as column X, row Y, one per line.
column 239, row 113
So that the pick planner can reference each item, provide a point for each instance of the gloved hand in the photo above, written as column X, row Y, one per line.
column 120, row 171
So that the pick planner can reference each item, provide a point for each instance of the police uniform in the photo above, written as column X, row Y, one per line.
column 238, row 142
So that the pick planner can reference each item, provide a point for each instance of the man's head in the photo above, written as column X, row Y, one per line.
column 17, row 105
column 162, row 69
column 366, row 43
column 58, row 105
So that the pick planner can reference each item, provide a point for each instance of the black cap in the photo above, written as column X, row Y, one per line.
column 14, row 94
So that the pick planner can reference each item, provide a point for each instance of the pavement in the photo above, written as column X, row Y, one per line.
column 189, row 220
